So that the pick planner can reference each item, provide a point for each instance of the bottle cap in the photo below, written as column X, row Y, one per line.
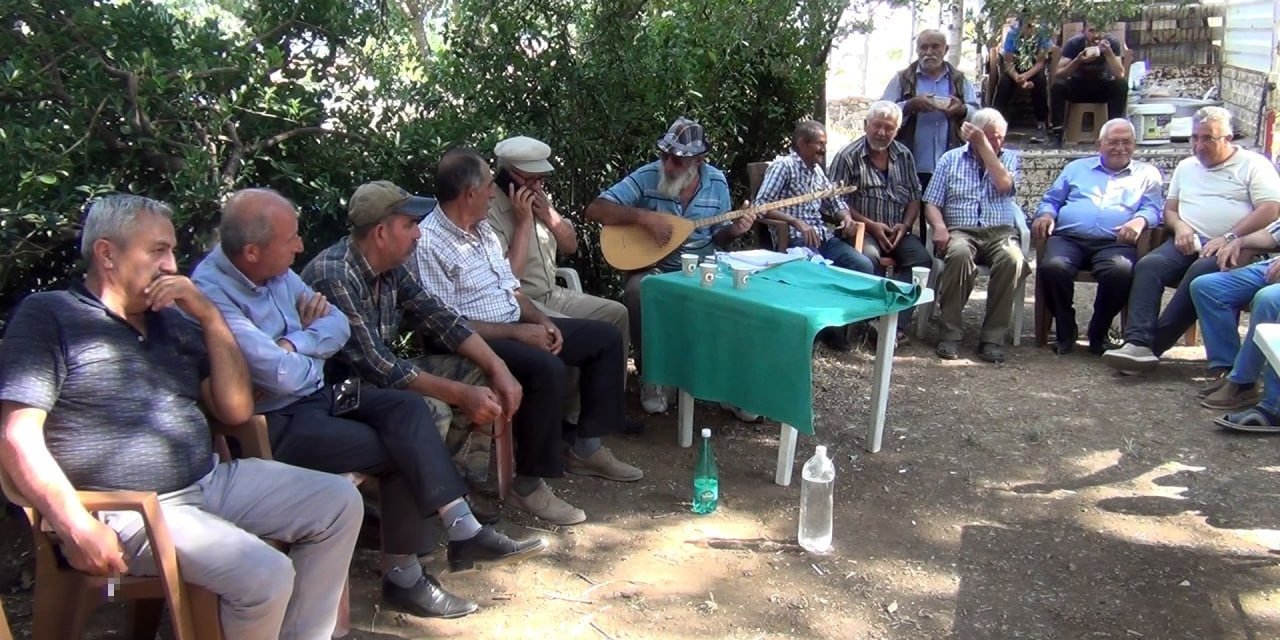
column 706, row 433
column 821, row 451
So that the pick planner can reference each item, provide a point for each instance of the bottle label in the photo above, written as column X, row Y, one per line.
column 707, row 495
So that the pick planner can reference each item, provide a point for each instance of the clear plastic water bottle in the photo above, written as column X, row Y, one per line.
column 818, row 479
column 706, row 479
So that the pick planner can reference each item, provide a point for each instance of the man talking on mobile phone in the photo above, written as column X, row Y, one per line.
column 287, row 331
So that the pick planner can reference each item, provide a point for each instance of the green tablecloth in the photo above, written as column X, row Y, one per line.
column 752, row 347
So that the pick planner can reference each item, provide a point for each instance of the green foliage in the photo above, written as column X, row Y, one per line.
column 187, row 100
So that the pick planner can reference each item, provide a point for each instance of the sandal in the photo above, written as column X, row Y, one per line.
column 1253, row 420
column 948, row 350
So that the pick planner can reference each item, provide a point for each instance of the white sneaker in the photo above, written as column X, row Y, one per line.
column 653, row 398
column 1131, row 357
column 745, row 416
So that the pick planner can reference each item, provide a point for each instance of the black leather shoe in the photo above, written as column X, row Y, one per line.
column 1063, row 348
column 484, row 510
column 491, row 548
column 427, row 599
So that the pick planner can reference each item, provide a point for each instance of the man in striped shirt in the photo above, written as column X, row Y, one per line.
column 888, row 197
column 971, row 208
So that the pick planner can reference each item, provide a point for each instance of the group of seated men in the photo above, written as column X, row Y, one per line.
column 111, row 383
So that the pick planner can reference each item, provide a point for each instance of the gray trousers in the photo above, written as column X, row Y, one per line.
column 994, row 246
column 217, row 525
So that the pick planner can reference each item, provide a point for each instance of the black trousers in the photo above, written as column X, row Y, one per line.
column 1039, row 95
column 1111, row 263
column 391, row 436
column 595, row 348
column 1076, row 89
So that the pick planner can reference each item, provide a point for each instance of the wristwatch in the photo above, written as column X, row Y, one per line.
column 1230, row 236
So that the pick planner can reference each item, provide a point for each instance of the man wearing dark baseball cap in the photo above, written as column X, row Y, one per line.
column 364, row 275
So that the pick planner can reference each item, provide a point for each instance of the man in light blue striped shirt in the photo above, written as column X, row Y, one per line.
column 970, row 206
column 1090, row 219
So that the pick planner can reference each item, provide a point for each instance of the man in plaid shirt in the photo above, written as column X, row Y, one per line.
column 800, row 173
column 970, row 206
column 461, row 260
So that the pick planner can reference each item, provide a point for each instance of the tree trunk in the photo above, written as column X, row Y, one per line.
column 955, row 30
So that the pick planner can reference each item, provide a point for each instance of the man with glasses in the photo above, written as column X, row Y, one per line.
column 1216, row 196
column 679, row 182
column 1090, row 219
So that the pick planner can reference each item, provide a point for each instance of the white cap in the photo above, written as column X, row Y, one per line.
column 821, row 451
column 525, row 153
column 706, row 433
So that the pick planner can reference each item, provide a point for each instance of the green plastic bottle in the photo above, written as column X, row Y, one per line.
column 706, row 479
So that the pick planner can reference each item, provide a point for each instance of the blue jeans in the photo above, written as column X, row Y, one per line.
column 1164, row 267
column 839, row 251
column 1219, row 298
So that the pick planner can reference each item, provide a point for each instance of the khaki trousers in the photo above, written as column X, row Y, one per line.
column 997, row 247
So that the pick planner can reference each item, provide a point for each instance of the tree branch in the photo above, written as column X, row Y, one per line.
column 263, row 145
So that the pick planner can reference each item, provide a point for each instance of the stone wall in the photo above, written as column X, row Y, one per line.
column 1242, row 91
column 848, row 116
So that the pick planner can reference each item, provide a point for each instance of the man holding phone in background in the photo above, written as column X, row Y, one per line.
column 286, row 332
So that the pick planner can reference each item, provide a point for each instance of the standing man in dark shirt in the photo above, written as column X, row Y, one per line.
column 101, row 387
column 1092, row 68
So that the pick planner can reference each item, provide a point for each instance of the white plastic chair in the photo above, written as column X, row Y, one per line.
column 570, row 277
column 1019, row 294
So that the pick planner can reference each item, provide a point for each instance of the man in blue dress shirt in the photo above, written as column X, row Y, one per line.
column 286, row 331
column 1091, row 218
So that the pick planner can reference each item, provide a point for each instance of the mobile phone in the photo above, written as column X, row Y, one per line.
column 346, row 396
column 504, row 182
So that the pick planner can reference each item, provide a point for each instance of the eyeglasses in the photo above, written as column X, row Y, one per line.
column 1118, row 144
column 680, row 160
column 1195, row 137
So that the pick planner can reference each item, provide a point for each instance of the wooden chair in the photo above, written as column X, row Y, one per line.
column 65, row 597
column 1044, row 319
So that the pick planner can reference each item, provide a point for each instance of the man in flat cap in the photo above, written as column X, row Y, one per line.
column 532, row 234
column 679, row 182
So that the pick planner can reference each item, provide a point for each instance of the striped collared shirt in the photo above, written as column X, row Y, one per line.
column 881, row 196
column 788, row 177
column 964, row 192
column 375, row 304
column 467, row 270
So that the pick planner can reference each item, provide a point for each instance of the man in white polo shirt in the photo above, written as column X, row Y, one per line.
column 1220, row 193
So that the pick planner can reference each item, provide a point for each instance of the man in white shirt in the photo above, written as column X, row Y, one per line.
column 1219, row 194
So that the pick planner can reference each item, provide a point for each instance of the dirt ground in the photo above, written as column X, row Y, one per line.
column 1045, row 498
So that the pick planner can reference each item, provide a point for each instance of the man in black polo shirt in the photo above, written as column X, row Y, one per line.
column 101, row 388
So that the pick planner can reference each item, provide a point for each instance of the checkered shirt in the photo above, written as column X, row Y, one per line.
column 963, row 190
column 468, row 270
column 376, row 304
column 788, row 177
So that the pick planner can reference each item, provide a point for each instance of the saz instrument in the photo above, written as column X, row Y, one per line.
column 629, row 247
